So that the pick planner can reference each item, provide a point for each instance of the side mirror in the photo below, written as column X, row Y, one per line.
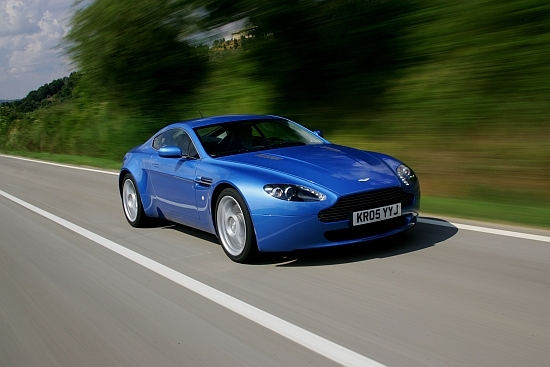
column 318, row 133
column 170, row 152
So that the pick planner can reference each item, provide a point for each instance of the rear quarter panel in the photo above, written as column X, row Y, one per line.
column 136, row 162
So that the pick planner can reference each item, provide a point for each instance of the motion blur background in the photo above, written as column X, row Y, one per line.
column 458, row 90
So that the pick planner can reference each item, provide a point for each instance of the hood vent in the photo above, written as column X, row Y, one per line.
column 331, row 148
column 273, row 157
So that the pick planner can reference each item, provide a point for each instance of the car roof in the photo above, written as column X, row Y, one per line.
column 214, row 120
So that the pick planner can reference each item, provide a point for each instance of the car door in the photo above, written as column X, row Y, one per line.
column 173, row 178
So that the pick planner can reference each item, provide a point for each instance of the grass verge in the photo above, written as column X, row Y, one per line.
column 488, row 211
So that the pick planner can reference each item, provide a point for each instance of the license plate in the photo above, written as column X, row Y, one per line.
column 376, row 214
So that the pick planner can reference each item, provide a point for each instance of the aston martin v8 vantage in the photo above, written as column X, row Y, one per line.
column 266, row 184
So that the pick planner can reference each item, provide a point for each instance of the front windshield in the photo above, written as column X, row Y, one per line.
column 253, row 135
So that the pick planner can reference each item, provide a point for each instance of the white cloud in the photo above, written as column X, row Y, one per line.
column 29, row 32
column 19, row 16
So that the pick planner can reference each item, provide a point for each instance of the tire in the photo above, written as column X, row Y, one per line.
column 131, row 203
column 234, row 227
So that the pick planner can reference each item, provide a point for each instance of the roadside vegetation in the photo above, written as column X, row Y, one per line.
column 460, row 91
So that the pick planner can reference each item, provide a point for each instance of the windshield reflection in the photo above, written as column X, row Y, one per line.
column 253, row 135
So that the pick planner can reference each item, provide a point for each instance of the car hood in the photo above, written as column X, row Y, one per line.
column 341, row 169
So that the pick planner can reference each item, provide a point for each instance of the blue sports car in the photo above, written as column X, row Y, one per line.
column 265, row 183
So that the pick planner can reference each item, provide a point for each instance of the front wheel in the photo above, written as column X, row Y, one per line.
column 131, row 203
column 234, row 227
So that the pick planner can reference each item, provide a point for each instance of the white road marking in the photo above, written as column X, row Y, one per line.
column 500, row 232
column 60, row 165
column 316, row 343
column 421, row 220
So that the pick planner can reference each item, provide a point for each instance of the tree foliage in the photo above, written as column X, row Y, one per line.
column 318, row 51
column 49, row 94
column 134, row 51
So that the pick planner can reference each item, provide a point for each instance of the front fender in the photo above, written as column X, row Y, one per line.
column 250, row 180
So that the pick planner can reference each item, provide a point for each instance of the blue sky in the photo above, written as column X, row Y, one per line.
column 29, row 33
column 31, row 30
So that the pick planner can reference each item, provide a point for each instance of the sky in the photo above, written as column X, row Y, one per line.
column 30, row 30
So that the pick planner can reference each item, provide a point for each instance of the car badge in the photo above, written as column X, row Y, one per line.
column 364, row 179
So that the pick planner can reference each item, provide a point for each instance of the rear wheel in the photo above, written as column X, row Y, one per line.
column 131, row 203
column 234, row 227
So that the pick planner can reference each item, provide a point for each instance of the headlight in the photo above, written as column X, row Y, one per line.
column 294, row 192
column 406, row 174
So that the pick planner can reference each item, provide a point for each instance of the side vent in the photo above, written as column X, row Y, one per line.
column 204, row 181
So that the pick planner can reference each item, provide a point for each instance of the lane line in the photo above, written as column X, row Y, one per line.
column 500, row 232
column 465, row 227
column 314, row 342
column 60, row 165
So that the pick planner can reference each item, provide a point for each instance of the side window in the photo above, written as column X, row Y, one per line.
column 166, row 139
column 181, row 140
column 193, row 151
column 178, row 138
column 156, row 142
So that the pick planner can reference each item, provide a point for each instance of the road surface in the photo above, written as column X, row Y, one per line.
column 80, row 287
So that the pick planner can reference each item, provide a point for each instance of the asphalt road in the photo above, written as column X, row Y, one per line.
column 434, row 296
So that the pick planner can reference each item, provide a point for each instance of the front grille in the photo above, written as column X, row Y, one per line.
column 366, row 230
column 364, row 201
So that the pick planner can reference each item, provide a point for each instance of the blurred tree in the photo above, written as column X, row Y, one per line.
column 322, row 52
column 134, row 51
column 48, row 94
column 69, row 84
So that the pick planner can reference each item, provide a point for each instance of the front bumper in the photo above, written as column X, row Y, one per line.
column 288, row 233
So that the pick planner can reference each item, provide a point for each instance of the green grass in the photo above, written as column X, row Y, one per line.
column 534, row 216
